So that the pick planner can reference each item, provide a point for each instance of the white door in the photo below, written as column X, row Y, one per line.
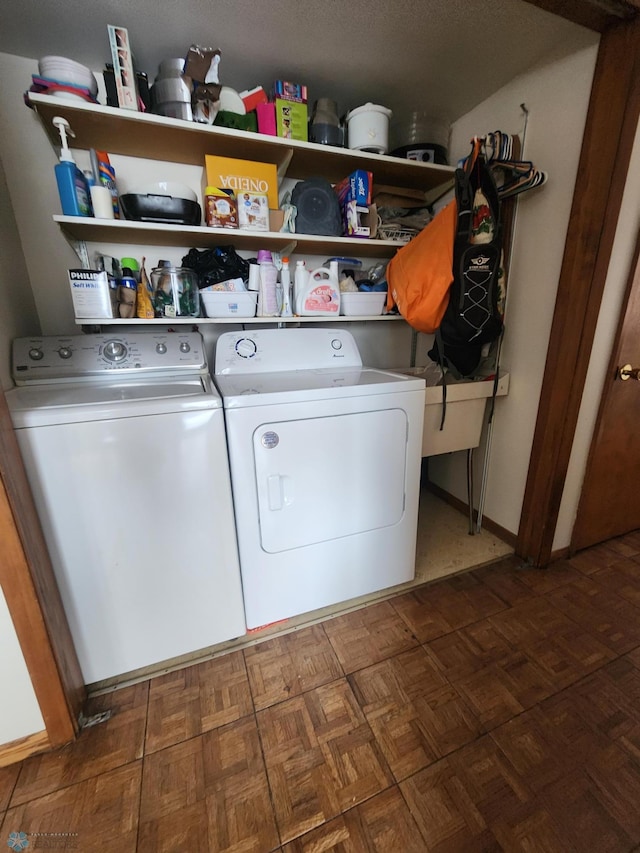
column 328, row 477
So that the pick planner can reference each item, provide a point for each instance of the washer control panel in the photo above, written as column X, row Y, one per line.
column 78, row 357
column 273, row 350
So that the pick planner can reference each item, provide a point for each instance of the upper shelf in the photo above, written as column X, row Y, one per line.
column 157, row 234
column 159, row 138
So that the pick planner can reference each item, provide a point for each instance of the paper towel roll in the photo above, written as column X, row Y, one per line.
column 102, row 202
column 254, row 277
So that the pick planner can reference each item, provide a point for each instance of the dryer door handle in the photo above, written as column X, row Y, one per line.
column 279, row 491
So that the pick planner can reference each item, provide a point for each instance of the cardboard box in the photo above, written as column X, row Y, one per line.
column 242, row 176
column 360, row 220
column 356, row 187
column 90, row 294
column 266, row 114
column 276, row 220
column 291, row 120
column 252, row 98
column 125, row 77
column 220, row 209
column 253, row 211
column 290, row 91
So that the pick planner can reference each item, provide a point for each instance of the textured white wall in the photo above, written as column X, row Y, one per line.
column 18, row 313
column 19, row 710
column 556, row 93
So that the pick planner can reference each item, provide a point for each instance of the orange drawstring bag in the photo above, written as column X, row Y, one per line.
column 420, row 274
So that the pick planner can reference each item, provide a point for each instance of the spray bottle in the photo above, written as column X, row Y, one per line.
column 72, row 184
column 285, row 279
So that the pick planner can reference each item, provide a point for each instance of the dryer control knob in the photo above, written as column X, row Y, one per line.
column 35, row 354
column 246, row 348
column 65, row 352
column 184, row 346
column 336, row 343
column 161, row 348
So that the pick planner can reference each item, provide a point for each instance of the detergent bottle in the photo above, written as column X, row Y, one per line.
column 321, row 294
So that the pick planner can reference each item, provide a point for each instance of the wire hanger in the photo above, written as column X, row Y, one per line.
column 512, row 177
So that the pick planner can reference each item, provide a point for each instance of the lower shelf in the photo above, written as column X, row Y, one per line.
column 236, row 321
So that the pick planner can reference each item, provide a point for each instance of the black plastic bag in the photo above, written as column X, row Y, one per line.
column 216, row 265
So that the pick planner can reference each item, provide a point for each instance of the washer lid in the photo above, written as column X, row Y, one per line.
column 299, row 386
column 42, row 405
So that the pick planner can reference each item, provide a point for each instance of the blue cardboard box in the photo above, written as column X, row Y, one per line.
column 356, row 187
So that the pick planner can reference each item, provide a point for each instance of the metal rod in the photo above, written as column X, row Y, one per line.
column 414, row 348
column 470, row 488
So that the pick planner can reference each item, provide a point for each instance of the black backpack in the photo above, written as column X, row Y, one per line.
column 473, row 316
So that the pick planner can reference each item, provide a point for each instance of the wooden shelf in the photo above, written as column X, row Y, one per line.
column 236, row 321
column 159, row 138
column 153, row 137
column 201, row 237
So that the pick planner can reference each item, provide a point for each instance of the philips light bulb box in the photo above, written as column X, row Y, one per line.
column 90, row 293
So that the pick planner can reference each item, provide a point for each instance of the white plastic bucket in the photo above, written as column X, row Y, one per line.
column 368, row 128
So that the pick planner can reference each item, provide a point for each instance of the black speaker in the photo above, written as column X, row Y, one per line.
column 318, row 208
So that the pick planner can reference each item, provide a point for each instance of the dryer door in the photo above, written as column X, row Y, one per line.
column 328, row 477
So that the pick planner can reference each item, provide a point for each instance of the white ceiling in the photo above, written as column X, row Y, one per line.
column 441, row 56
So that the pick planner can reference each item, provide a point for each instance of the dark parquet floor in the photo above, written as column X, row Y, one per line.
column 495, row 710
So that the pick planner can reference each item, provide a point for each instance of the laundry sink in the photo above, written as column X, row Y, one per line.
column 466, row 404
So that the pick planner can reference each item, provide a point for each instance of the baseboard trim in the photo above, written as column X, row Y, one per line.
column 18, row 750
column 463, row 507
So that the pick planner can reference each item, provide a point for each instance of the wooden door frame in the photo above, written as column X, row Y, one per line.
column 629, row 318
column 612, row 120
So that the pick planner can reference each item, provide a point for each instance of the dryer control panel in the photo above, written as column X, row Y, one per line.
column 274, row 350
column 75, row 358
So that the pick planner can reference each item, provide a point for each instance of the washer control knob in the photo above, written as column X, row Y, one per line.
column 35, row 354
column 246, row 348
column 115, row 351
column 161, row 348
column 184, row 346
column 336, row 343
column 65, row 352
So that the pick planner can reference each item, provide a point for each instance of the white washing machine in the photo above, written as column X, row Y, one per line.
column 124, row 446
column 325, row 467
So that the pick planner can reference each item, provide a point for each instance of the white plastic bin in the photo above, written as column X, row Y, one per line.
column 223, row 303
column 362, row 303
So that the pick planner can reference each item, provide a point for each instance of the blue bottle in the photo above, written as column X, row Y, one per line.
column 73, row 189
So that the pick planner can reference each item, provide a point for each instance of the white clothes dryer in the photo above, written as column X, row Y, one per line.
column 325, row 466
column 123, row 441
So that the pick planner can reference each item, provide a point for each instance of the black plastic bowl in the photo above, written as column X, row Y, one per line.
column 160, row 208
